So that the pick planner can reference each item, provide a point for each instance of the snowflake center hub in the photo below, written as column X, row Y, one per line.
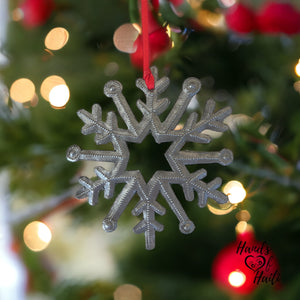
column 148, row 157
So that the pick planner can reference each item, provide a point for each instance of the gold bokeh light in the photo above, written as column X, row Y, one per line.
column 124, row 38
column 297, row 68
column 22, row 90
column 49, row 83
column 57, row 38
column 59, row 95
column 241, row 227
column 235, row 191
column 37, row 236
column 243, row 215
column 17, row 14
column 127, row 292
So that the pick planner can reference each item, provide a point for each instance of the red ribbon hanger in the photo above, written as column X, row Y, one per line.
column 147, row 75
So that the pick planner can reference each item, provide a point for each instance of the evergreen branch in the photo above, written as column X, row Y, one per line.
column 266, row 174
column 39, row 208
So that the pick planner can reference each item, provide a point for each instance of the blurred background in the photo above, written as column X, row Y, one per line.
column 56, row 56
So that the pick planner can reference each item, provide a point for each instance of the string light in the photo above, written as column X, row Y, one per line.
column 59, row 95
column 22, row 90
column 297, row 68
column 235, row 191
column 56, row 38
column 236, row 278
column 37, row 236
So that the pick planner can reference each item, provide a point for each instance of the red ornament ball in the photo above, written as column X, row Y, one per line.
column 277, row 18
column 36, row 12
column 244, row 265
column 240, row 18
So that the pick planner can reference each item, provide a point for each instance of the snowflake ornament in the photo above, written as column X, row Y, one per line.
column 162, row 132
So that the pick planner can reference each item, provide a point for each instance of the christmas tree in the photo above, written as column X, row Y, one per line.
column 245, row 55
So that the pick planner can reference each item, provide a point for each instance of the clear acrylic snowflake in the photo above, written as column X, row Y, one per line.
column 162, row 132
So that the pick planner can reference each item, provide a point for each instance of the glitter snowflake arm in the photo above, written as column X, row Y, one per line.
column 148, row 206
column 111, row 220
column 179, row 159
column 185, row 224
column 190, row 87
column 107, row 179
column 113, row 89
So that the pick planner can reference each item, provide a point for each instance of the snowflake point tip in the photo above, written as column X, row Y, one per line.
column 226, row 157
column 112, row 88
column 191, row 86
column 109, row 225
column 187, row 227
column 73, row 153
